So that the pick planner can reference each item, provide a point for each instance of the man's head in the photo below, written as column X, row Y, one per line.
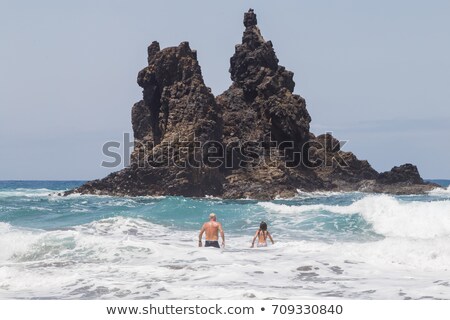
column 212, row 217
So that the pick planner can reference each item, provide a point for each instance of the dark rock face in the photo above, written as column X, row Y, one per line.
column 177, row 113
column 253, row 140
column 260, row 107
column 406, row 173
column 338, row 166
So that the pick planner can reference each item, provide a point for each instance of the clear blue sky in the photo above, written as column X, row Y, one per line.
column 375, row 73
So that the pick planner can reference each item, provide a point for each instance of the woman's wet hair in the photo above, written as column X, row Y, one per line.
column 263, row 226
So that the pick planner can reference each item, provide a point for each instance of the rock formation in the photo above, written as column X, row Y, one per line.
column 253, row 140
column 178, row 114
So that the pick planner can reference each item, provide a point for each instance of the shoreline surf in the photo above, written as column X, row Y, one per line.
column 328, row 246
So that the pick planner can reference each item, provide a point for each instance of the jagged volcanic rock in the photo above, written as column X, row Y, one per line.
column 406, row 173
column 178, row 113
column 260, row 107
column 257, row 133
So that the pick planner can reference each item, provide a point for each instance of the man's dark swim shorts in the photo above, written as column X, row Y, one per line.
column 214, row 244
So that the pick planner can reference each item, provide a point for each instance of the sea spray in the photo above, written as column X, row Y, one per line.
column 388, row 215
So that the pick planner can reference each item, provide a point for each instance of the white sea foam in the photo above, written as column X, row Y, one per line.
column 14, row 241
column 132, row 258
column 321, row 194
column 440, row 192
column 27, row 193
column 389, row 217
column 289, row 209
column 124, row 257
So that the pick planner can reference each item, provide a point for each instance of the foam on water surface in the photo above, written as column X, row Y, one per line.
column 387, row 215
column 327, row 246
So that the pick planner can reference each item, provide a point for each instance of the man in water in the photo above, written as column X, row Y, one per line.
column 211, row 230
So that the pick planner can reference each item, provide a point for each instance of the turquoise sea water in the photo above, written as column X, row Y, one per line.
column 337, row 245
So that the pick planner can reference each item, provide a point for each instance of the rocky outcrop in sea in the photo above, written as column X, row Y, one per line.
column 252, row 141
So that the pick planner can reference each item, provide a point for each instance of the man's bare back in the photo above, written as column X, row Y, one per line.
column 211, row 230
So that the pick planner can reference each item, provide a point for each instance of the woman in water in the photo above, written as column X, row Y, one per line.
column 262, row 235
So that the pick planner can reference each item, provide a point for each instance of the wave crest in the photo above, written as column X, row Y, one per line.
column 387, row 215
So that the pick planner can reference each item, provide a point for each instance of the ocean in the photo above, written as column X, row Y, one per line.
column 327, row 246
